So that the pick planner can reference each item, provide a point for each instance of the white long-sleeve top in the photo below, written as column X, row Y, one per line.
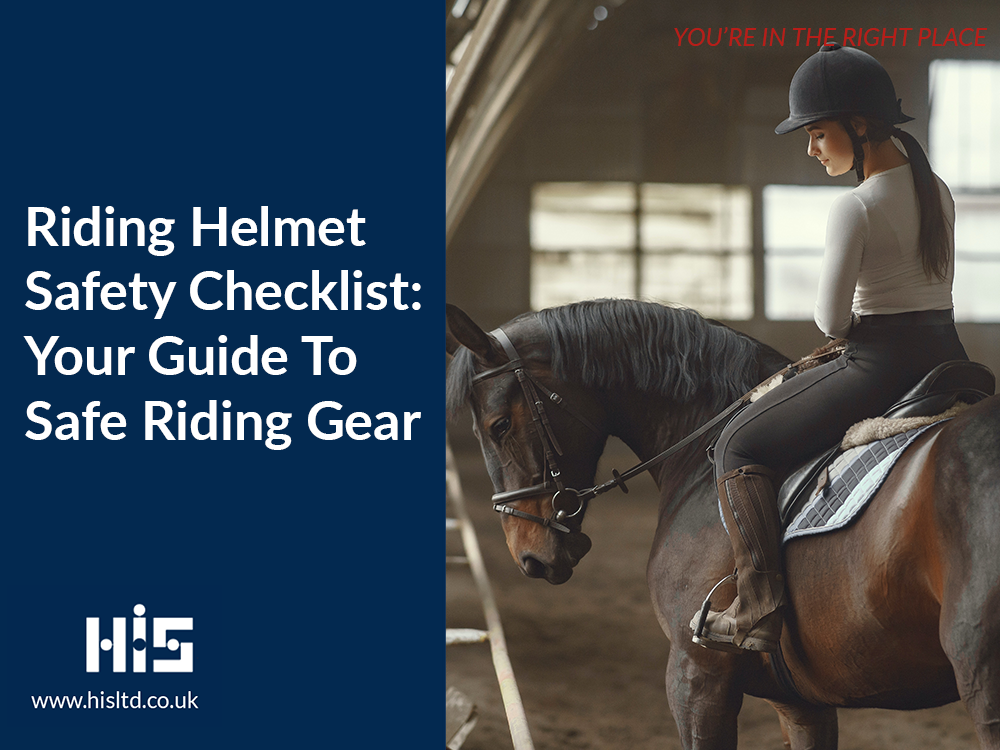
column 872, row 263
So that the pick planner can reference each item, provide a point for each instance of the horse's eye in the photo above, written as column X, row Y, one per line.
column 500, row 428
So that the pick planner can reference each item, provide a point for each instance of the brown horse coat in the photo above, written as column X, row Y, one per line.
column 899, row 610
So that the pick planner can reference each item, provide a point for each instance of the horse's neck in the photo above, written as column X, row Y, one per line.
column 650, row 425
column 689, row 516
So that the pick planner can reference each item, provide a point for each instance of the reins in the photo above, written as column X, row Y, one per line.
column 568, row 502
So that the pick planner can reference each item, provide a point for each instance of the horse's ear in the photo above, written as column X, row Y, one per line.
column 452, row 343
column 462, row 331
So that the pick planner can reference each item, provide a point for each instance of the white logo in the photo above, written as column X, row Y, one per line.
column 118, row 645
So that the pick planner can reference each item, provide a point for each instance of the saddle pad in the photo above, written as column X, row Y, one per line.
column 853, row 478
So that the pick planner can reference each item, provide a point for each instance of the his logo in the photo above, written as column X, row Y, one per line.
column 118, row 643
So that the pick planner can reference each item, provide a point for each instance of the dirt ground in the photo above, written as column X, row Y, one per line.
column 589, row 656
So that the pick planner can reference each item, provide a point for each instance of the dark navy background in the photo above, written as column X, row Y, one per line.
column 311, row 573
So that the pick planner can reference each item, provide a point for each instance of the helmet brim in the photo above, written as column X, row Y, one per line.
column 794, row 123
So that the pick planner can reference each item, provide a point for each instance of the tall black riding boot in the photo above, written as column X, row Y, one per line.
column 753, row 620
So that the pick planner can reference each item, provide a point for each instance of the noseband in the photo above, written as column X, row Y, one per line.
column 567, row 502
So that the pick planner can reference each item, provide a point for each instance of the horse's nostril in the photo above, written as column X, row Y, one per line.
column 532, row 567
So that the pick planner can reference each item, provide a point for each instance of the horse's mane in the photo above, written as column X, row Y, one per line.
column 622, row 344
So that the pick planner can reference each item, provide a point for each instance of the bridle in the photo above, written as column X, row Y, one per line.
column 567, row 502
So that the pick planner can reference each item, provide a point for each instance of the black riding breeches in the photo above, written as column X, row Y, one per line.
column 811, row 412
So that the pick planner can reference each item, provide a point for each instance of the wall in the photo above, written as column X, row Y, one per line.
column 631, row 105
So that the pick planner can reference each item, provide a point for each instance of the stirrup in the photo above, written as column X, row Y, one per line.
column 707, row 606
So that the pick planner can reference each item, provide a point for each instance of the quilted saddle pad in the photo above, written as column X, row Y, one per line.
column 853, row 478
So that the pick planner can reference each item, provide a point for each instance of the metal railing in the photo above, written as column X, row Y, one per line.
column 516, row 719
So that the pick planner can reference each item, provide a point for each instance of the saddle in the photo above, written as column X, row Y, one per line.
column 938, row 391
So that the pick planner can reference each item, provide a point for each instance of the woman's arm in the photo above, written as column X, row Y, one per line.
column 846, row 235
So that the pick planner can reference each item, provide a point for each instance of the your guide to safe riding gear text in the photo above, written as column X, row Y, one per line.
column 346, row 290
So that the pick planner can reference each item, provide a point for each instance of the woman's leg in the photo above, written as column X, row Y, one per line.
column 777, row 433
column 812, row 411
column 753, row 621
column 769, row 434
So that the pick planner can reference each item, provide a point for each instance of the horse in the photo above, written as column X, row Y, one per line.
column 899, row 610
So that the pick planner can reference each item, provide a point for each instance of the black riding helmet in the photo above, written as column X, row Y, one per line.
column 841, row 81
column 836, row 83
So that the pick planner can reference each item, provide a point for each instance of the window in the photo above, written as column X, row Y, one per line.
column 582, row 240
column 977, row 258
column 965, row 151
column 681, row 244
column 965, row 123
column 794, row 239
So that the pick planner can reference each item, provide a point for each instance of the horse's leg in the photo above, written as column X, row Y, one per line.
column 970, row 635
column 807, row 728
column 967, row 489
column 971, row 638
column 704, row 698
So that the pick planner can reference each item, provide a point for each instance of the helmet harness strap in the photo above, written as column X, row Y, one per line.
column 857, row 142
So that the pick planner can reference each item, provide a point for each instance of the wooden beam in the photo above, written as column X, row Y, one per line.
column 530, row 47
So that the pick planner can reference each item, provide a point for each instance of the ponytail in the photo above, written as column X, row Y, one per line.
column 934, row 239
column 935, row 247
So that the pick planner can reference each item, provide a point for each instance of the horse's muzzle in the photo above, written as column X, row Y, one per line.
column 559, row 570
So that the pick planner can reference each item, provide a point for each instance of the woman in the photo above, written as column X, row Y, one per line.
column 885, row 285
